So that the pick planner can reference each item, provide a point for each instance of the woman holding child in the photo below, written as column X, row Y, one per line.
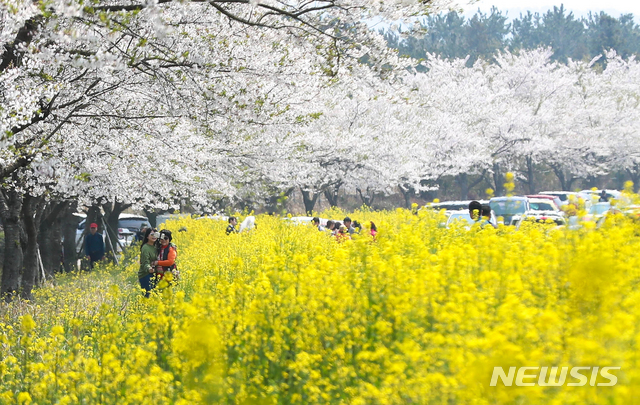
column 157, row 257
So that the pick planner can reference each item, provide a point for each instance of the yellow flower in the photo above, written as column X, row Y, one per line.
column 28, row 324
column 24, row 398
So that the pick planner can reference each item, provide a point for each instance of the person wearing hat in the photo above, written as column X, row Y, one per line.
column 94, row 245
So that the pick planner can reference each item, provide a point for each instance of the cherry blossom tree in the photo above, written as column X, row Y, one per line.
column 104, row 91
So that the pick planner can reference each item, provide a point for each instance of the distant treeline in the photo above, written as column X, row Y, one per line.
column 453, row 36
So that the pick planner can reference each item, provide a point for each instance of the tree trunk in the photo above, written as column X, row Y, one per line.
column 50, row 237
column 592, row 181
column 69, row 226
column 31, row 213
column 367, row 198
column 561, row 177
column 153, row 217
column 111, row 216
column 309, row 198
column 10, row 209
column 465, row 186
column 406, row 192
column 566, row 180
column 634, row 174
column 331, row 193
column 277, row 202
column 530, row 175
column 619, row 177
column 498, row 180
column 463, row 182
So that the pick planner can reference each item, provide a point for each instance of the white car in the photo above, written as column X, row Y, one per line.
column 305, row 220
column 128, row 225
column 509, row 208
column 541, row 217
column 563, row 196
column 543, row 204
column 463, row 216
column 452, row 205
column 597, row 211
column 459, row 216
column 594, row 195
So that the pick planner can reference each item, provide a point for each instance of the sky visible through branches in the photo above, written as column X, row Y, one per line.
column 580, row 8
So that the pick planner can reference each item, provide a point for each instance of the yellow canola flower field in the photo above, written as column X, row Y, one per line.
column 284, row 314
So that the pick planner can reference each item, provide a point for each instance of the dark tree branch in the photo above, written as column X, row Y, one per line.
column 11, row 55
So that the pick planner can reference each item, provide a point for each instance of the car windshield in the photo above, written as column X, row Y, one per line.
column 561, row 196
column 599, row 209
column 449, row 206
column 133, row 223
column 541, row 206
column 460, row 216
column 507, row 207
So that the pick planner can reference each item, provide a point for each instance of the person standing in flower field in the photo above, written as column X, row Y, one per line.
column 316, row 223
column 374, row 230
column 603, row 196
column 330, row 227
column 94, row 245
column 140, row 234
column 486, row 217
column 475, row 210
column 347, row 223
column 148, row 261
column 167, row 253
column 357, row 227
column 233, row 221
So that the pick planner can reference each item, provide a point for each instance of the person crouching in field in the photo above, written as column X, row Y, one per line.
column 330, row 227
column 167, row 253
column 148, row 260
column 343, row 234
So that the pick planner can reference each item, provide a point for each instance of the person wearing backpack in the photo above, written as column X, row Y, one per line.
column 167, row 254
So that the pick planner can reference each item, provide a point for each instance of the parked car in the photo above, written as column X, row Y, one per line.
column 598, row 210
column 563, row 196
column 555, row 199
column 304, row 220
column 543, row 203
column 543, row 217
column 594, row 195
column 632, row 211
column 128, row 225
column 458, row 216
column 161, row 219
column 132, row 222
column 215, row 217
column 452, row 205
column 508, row 208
